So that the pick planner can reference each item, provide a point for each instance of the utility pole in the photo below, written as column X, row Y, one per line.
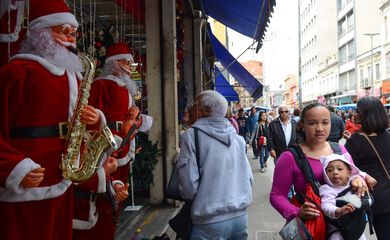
column 299, row 57
column 371, row 35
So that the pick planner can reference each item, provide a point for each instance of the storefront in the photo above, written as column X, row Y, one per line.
column 385, row 91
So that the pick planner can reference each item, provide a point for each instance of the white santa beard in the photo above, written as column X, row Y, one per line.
column 129, row 83
column 40, row 42
column 113, row 68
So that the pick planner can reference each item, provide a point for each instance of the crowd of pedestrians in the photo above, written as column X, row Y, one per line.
column 316, row 130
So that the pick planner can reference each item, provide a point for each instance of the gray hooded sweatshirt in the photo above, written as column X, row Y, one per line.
column 224, row 191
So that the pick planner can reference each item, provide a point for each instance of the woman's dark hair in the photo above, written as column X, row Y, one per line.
column 301, row 136
column 297, row 112
column 372, row 114
column 261, row 113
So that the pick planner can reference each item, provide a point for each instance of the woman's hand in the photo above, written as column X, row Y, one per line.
column 371, row 182
column 359, row 186
column 308, row 211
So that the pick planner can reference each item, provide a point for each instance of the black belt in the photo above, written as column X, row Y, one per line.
column 85, row 195
column 60, row 130
column 115, row 125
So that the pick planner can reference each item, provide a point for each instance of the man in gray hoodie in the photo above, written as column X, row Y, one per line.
column 221, row 191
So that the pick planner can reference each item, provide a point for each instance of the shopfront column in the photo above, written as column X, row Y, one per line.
column 161, row 80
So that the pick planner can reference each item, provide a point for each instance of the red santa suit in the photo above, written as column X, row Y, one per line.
column 34, row 93
column 113, row 98
column 12, row 32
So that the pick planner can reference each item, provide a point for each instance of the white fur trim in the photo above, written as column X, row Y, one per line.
column 14, row 36
column 48, row 66
column 120, row 57
column 102, row 180
column 35, row 194
column 112, row 78
column 117, row 182
column 103, row 121
column 123, row 161
column 73, row 92
column 92, row 219
column 79, row 76
column 53, row 19
column 147, row 122
column 19, row 173
column 7, row 4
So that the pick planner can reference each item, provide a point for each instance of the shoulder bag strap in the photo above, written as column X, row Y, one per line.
column 304, row 166
column 196, row 133
column 377, row 154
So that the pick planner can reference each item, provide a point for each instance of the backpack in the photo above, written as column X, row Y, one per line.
column 352, row 225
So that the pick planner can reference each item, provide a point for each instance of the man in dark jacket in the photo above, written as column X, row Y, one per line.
column 336, row 126
column 281, row 133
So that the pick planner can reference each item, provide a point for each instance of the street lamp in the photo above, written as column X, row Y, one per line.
column 299, row 57
column 371, row 35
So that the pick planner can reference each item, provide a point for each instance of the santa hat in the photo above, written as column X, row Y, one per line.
column 51, row 13
column 118, row 51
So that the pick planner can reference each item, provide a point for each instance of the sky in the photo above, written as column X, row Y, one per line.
column 279, row 52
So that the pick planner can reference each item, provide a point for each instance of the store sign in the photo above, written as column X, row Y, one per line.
column 386, row 87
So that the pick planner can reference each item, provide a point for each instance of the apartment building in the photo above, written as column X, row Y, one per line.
column 318, row 42
column 385, row 51
column 358, row 22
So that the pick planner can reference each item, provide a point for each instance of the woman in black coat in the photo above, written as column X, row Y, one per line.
column 372, row 116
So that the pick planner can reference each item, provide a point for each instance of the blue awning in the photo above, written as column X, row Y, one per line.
column 249, row 17
column 246, row 80
column 223, row 87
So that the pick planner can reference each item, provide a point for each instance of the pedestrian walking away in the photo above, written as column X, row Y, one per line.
column 370, row 150
column 222, row 162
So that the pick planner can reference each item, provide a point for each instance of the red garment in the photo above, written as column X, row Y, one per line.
column 315, row 226
column 12, row 34
column 352, row 127
column 33, row 94
column 114, row 101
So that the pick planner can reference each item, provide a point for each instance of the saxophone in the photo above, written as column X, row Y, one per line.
column 85, row 149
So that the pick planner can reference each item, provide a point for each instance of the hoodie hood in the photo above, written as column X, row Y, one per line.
column 325, row 160
column 216, row 127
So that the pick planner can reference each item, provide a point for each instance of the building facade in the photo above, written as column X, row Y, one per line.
column 317, row 20
column 356, row 38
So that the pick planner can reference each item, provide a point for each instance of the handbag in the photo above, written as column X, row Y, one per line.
column 181, row 224
column 295, row 229
column 172, row 190
column 377, row 154
column 261, row 141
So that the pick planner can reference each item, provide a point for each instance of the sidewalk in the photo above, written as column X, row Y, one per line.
column 148, row 222
column 264, row 222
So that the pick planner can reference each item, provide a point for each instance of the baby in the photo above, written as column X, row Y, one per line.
column 338, row 172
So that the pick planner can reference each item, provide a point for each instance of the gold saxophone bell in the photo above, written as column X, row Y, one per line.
column 85, row 149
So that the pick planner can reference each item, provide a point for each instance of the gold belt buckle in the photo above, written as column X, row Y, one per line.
column 63, row 129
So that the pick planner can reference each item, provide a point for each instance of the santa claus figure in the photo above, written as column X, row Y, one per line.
column 38, row 92
column 13, row 17
column 112, row 93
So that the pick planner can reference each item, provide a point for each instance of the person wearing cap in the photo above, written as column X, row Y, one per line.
column 338, row 173
column 38, row 92
column 112, row 92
